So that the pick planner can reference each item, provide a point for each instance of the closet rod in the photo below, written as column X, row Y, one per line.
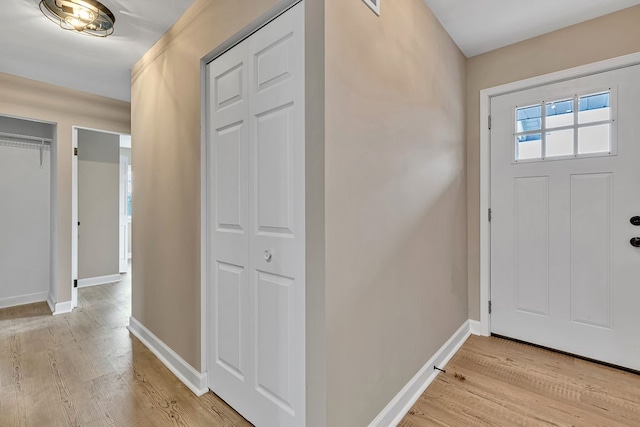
column 27, row 137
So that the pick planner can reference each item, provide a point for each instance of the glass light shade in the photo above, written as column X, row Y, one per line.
column 85, row 16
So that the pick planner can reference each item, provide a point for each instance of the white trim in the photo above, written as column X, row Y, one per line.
column 50, row 303
column 23, row 299
column 485, row 166
column 102, row 280
column 59, row 308
column 393, row 413
column 204, row 216
column 125, row 141
column 375, row 6
column 475, row 327
column 194, row 380
column 74, row 217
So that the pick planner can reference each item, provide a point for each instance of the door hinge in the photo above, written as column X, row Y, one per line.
column 75, row 151
column 75, row 283
column 489, row 307
column 489, row 122
column 490, row 216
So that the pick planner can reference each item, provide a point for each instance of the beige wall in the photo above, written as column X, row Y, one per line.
column 602, row 38
column 395, row 200
column 393, row 172
column 98, row 204
column 67, row 108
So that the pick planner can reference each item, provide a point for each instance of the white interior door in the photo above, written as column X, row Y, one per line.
column 564, row 186
column 256, row 199
column 124, row 218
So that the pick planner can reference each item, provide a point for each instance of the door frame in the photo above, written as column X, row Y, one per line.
column 74, row 207
column 123, row 193
column 485, row 158
column 205, row 204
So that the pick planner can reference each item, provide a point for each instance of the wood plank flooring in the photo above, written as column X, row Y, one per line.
column 496, row 382
column 85, row 369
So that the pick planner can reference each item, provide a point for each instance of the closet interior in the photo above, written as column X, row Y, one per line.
column 25, row 210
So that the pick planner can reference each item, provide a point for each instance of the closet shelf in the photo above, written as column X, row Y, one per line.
column 25, row 141
column 32, row 145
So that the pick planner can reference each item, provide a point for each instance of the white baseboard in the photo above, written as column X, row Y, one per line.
column 62, row 308
column 411, row 392
column 476, row 327
column 196, row 381
column 23, row 299
column 102, row 280
column 52, row 305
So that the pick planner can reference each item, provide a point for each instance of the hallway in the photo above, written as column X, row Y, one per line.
column 86, row 369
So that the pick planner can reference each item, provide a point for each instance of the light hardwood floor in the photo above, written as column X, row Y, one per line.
column 496, row 382
column 85, row 369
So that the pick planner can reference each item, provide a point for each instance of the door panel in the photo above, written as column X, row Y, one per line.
column 228, row 309
column 256, row 269
column 591, row 209
column 563, row 272
column 273, row 63
column 230, row 159
column 274, row 172
column 273, row 350
column 532, row 244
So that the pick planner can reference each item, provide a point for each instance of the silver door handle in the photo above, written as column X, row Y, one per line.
column 267, row 256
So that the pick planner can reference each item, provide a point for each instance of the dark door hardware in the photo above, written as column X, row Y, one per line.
column 635, row 221
column 635, row 242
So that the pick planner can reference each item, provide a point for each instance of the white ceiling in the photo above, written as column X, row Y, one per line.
column 31, row 46
column 481, row 26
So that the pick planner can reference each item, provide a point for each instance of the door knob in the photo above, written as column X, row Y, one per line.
column 635, row 221
column 268, row 256
column 635, row 242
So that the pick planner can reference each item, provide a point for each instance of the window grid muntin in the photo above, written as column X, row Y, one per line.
column 576, row 126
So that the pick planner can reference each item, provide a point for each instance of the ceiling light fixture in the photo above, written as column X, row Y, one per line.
column 85, row 16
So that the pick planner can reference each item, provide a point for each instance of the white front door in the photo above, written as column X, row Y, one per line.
column 564, row 186
column 256, row 266
column 124, row 218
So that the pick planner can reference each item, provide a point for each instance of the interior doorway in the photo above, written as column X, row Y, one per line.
column 101, row 208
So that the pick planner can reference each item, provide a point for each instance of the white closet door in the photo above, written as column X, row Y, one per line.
column 257, row 294
column 229, row 369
